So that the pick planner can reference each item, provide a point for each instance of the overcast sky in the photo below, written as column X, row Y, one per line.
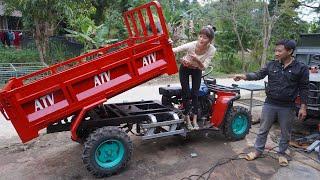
column 307, row 14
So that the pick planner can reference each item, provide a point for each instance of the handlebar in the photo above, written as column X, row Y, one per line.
column 215, row 87
column 208, row 72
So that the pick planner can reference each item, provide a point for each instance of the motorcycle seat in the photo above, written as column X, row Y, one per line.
column 170, row 91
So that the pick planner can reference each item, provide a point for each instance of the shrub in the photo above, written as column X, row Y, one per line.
column 227, row 62
column 12, row 55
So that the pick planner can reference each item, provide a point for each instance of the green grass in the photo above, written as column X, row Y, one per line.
column 12, row 55
column 58, row 51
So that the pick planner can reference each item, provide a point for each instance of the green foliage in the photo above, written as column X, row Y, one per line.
column 225, row 39
column 12, row 55
column 288, row 25
column 97, row 22
column 114, row 26
column 245, row 14
column 227, row 62
column 104, row 6
column 41, row 17
column 314, row 27
column 50, row 11
column 60, row 51
column 92, row 36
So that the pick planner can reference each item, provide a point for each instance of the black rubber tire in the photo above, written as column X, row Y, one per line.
column 232, row 113
column 93, row 142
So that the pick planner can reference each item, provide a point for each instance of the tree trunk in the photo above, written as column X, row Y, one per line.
column 268, row 23
column 266, row 40
column 38, row 39
column 42, row 33
column 265, row 35
column 235, row 29
column 41, row 53
column 241, row 46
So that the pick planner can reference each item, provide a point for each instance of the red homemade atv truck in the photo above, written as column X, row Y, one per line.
column 70, row 96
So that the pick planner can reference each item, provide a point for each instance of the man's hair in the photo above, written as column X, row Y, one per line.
column 208, row 31
column 288, row 44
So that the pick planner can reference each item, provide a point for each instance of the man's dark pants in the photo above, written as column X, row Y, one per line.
column 270, row 113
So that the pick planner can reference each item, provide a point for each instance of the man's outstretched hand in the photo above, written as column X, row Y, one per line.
column 239, row 77
column 302, row 112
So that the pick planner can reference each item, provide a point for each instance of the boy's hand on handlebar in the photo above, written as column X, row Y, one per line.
column 239, row 77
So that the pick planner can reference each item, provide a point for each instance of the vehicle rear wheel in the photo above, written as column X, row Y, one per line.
column 237, row 123
column 107, row 151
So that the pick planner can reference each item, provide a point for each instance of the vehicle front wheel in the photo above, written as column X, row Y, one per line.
column 237, row 123
column 107, row 151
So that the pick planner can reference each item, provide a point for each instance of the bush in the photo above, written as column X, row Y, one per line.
column 253, row 66
column 59, row 49
column 227, row 62
column 12, row 55
column 230, row 62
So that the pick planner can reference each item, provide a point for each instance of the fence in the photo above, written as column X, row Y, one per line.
column 9, row 70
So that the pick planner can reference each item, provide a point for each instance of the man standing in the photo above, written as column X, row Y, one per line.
column 287, row 78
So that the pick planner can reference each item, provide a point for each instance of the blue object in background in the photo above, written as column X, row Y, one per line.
column 203, row 90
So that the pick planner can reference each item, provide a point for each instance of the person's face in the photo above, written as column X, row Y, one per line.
column 281, row 53
column 203, row 40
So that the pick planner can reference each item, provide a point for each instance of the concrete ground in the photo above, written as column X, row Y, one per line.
column 55, row 156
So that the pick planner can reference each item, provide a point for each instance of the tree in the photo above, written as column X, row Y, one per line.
column 235, row 29
column 313, row 6
column 91, row 36
column 279, row 21
column 239, row 20
column 41, row 17
column 102, row 6
column 268, row 23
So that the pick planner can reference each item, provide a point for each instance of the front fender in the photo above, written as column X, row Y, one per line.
column 221, row 106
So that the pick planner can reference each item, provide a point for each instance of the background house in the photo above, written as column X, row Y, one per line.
column 9, row 22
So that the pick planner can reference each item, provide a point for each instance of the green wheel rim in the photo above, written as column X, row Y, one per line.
column 239, row 124
column 109, row 153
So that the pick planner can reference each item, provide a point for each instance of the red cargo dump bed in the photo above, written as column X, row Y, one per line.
column 37, row 100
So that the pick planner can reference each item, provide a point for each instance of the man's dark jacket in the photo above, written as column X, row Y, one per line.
column 284, row 84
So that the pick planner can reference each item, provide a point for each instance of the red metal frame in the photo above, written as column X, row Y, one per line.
column 34, row 101
column 220, row 107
